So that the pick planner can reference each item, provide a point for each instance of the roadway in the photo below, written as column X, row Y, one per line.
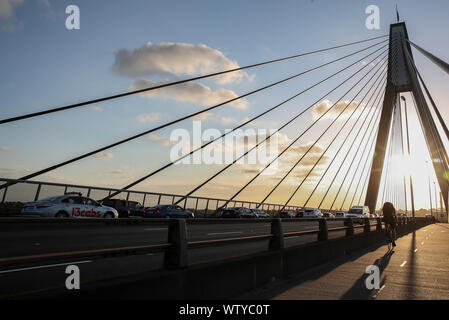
column 418, row 268
column 19, row 239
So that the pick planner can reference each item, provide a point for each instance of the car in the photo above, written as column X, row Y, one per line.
column 136, row 208
column 69, row 205
column 167, row 211
column 299, row 213
column 328, row 215
column 340, row 214
column 401, row 214
column 260, row 213
column 374, row 215
column 428, row 215
column 286, row 214
column 358, row 212
column 239, row 212
column 119, row 205
column 312, row 213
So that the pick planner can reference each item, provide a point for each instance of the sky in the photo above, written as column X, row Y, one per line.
column 122, row 47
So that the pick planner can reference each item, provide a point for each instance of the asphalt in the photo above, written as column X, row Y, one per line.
column 418, row 268
column 30, row 239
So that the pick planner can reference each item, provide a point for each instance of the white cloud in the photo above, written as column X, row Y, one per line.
column 121, row 173
column 7, row 8
column 227, row 120
column 203, row 116
column 170, row 58
column 190, row 92
column 96, row 108
column 104, row 155
column 148, row 117
column 323, row 106
column 153, row 137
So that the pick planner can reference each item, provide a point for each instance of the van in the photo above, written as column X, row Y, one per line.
column 358, row 212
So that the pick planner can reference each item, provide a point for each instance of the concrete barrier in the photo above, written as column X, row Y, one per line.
column 228, row 278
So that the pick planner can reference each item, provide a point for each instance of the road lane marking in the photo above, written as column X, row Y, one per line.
column 45, row 266
column 381, row 288
column 403, row 263
column 221, row 233
column 416, row 250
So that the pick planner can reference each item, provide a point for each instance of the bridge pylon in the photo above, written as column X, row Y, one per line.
column 402, row 77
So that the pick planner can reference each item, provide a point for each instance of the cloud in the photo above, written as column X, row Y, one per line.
column 120, row 173
column 104, row 155
column 170, row 58
column 203, row 116
column 5, row 148
column 281, row 166
column 153, row 137
column 96, row 108
column 7, row 8
column 148, row 117
column 190, row 92
column 320, row 108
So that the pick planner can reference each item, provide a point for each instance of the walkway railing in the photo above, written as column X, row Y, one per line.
column 176, row 249
column 210, row 203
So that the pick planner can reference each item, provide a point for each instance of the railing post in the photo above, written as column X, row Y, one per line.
column 4, row 194
column 349, row 223
column 36, row 196
column 88, row 192
column 196, row 205
column 207, row 207
column 176, row 256
column 366, row 225
column 277, row 241
column 159, row 200
column 323, row 233
column 379, row 224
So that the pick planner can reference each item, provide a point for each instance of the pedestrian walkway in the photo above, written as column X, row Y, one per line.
column 418, row 268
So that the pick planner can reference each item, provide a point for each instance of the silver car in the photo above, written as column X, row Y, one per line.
column 68, row 205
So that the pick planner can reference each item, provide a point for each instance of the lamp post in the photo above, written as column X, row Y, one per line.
column 430, row 190
column 408, row 147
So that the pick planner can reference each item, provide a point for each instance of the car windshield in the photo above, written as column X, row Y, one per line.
column 355, row 211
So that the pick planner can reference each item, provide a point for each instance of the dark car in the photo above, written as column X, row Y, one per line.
column 167, row 211
column 260, row 213
column 119, row 205
column 136, row 209
column 286, row 214
column 238, row 212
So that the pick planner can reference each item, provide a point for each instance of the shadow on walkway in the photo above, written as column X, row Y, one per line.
column 276, row 289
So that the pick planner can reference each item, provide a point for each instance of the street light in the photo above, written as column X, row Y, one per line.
column 430, row 190
column 408, row 147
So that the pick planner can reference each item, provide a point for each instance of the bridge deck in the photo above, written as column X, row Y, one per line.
column 418, row 268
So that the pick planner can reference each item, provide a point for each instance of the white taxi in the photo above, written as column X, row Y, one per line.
column 70, row 205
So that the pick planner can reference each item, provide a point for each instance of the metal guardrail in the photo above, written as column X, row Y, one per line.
column 144, row 194
column 176, row 249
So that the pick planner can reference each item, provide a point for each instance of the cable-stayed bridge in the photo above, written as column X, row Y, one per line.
column 369, row 119
column 377, row 74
